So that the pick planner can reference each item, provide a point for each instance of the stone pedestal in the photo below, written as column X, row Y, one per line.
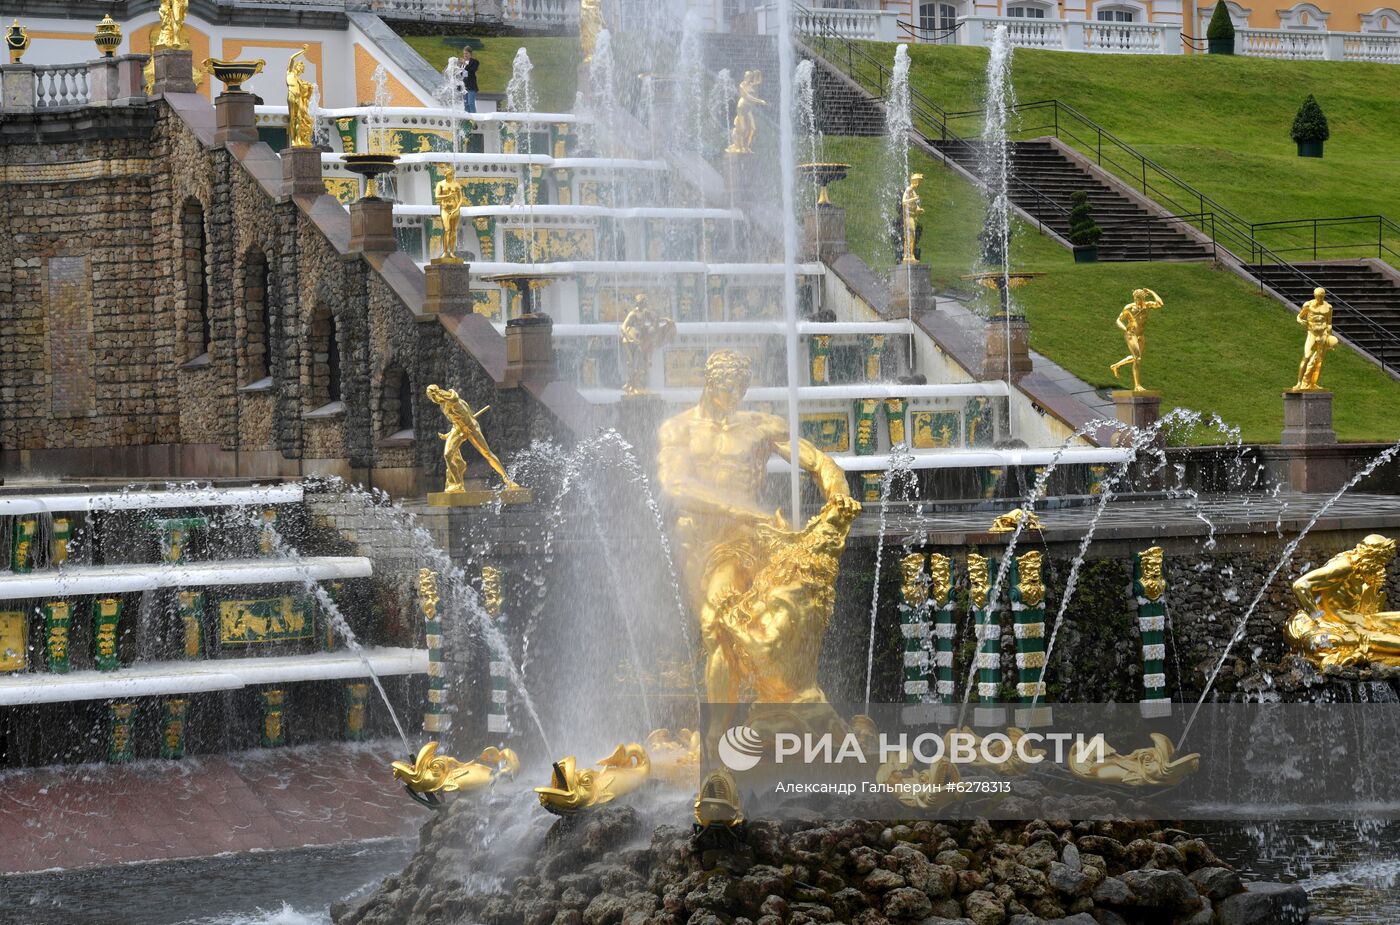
column 301, row 172
column 740, row 178
column 1308, row 447
column 1307, row 419
column 372, row 227
column 174, row 71
column 233, row 118
column 1139, row 410
column 529, row 350
column 480, row 496
column 449, row 288
column 825, row 232
column 911, row 287
column 994, row 364
column 18, row 94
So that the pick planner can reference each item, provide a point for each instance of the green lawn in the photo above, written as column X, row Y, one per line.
column 1219, row 345
column 1220, row 123
column 556, row 60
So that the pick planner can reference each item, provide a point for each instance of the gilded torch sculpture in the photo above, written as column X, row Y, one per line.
column 643, row 333
column 1340, row 620
column 465, row 429
column 450, row 198
column 1132, row 321
column 299, row 90
column 1316, row 317
column 745, row 125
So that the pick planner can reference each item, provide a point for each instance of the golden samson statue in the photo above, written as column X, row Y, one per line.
column 1340, row 620
column 762, row 593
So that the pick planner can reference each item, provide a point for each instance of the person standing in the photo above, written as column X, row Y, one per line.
column 469, row 68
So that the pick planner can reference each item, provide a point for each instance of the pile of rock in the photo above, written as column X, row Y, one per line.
column 599, row 870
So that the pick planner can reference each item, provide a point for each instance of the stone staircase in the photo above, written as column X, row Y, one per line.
column 1045, row 178
column 1366, row 301
column 842, row 108
column 738, row 53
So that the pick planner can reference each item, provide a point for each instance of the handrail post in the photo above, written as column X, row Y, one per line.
column 1314, row 224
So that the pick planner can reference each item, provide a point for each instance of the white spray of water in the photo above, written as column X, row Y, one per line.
column 901, row 471
column 899, row 129
column 996, row 167
column 809, row 141
column 787, row 158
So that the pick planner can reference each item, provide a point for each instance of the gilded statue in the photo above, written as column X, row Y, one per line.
column 1006, row 523
column 940, row 573
column 172, row 25
column 914, row 584
column 465, row 429
column 1132, row 321
column 911, row 210
column 1156, row 766
column 1340, row 620
column 717, row 803
column 1316, row 317
column 450, row 198
column 745, row 123
column 712, row 462
column 643, row 333
column 590, row 25
column 491, row 596
column 434, row 773
column 1030, row 586
column 428, row 593
column 572, row 789
column 300, row 123
column 978, row 584
column 1151, row 579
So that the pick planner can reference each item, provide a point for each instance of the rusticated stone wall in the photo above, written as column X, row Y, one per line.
column 164, row 311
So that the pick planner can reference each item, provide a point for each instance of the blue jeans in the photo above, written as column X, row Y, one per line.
column 471, row 101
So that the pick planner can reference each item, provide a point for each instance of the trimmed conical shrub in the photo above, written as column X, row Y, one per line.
column 1310, row 125
column 1221, row 26
column 1083, row 230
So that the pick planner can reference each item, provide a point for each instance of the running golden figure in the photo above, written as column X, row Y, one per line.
column 745, row 125
column 1316, row 316
column 465, row 429
column 1132, row 321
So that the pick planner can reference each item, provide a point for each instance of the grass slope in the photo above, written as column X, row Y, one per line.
column 1218, row 347
column 556, row 60
column 1220, row 123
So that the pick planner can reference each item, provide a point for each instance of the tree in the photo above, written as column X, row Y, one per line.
column 1310, row 125
column 1221, row 26
column 1083, row 231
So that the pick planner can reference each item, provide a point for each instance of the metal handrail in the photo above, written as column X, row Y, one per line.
column 1193, row 42
column 928, row 36
column 1381, row 223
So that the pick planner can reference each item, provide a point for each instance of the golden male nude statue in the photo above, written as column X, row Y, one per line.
column 1316, row 316
column 465, row 429
column 1132, row 321
column 909, row 205
column 300, row 120
column 1340, row 620
column 712, row 461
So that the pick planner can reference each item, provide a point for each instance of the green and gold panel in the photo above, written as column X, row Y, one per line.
column 345, row 128
column 595, row 193
column 935, row 430
column 485, row 228
column 345, row 190
column 273, row 619
column 487, row 302
column 754, row 303
column 980, row 424
column 550, row 244
column 829, row 431
column 14, row 640
column 684, row 367
column 410, row 141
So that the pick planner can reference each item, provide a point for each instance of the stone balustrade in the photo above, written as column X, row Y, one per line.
column 874, row 25
column 101, row 82
column 537, row 14
column 1074, row 35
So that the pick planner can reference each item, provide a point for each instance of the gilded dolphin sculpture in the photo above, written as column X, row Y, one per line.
column 434, row 773
column 572, row 789
column 1156, row 766
column 1006, row 523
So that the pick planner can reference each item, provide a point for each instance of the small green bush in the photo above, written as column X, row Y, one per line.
column 1221, row 27
column 1083, row 231
column 1310, row 124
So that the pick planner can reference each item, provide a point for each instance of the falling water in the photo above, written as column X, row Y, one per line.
column 386, row 185
column 901, row 470
column 690, row 70
column 899, row 129
column 520, row 91
column 722, row 95
column 449, row 94
column 788, row 164
column 520, row 97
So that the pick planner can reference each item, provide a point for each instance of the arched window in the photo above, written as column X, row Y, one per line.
column 323, row 370
column 1239, row 15
column 1115, row 14
column 257, row 317
column 396, row 403
column 196, row 323
column 405, row 409
column 936, row 18
column 1382, row 19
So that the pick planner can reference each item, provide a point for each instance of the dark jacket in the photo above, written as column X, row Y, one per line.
column 469, row 69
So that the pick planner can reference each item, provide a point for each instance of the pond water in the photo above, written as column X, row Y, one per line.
column 1351, row 872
